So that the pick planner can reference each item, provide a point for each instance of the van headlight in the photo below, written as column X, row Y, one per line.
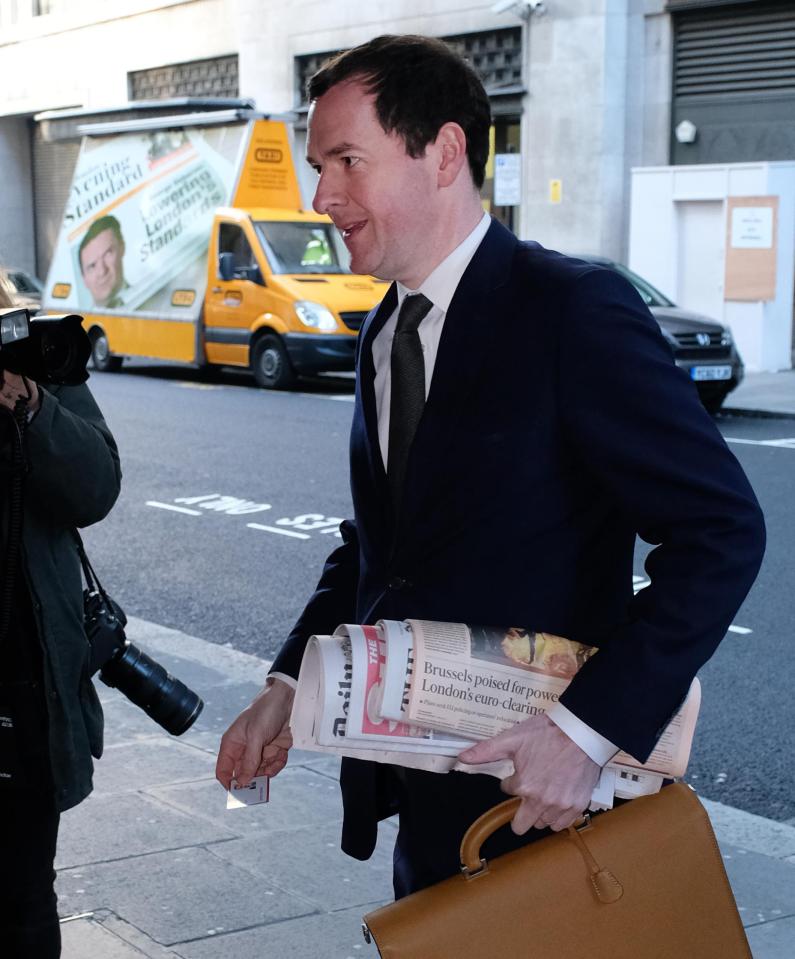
column 726, row 337
column 315, row 315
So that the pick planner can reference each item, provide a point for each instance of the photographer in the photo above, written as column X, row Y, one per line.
column 50, row 719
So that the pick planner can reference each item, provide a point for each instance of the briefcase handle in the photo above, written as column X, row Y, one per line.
column 606, row 886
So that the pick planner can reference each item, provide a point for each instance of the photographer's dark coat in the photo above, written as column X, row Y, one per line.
column 73, row 480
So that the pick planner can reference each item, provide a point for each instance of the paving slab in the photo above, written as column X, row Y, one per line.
column 222, row 704
column 773, row 940
column 326, row 765
column 331, row 936
column 299, row 797
column 125, row 723
column 771, row 393
column 739, row 828
column 133, row 824
column 764, row 888
column 162, row 760
column 177, row 896
column 310, row 862
column 88, row 939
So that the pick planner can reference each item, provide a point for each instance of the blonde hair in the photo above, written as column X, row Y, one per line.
column 5, row 292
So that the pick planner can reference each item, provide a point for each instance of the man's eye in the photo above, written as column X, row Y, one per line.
column 350, row 161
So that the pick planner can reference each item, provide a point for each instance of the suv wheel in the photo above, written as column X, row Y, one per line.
column 271, row 365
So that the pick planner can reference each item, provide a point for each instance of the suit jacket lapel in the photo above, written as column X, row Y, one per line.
column 470, row 327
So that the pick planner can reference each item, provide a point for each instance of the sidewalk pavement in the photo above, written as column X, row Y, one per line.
column 764, row 394
column 152, row 864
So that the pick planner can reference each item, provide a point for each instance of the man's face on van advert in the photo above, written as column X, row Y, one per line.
column 101, row 265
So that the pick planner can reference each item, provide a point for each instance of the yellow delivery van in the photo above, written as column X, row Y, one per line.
column 186, row 240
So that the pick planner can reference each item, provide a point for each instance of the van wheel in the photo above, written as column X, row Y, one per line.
column 102, row 358
column 271, row 365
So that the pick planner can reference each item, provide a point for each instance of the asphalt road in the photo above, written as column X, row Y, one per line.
column 210, row 460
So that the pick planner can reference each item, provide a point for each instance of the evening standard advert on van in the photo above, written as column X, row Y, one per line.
column 417, row 693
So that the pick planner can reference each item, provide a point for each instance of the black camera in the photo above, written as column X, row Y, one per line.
column 123, row 666
column 46, row 349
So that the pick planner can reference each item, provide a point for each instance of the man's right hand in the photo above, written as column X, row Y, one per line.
column 256, row 743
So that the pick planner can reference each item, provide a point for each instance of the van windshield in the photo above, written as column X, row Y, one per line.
column 301, row 247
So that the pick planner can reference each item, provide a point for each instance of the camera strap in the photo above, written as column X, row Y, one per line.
column 91, row 578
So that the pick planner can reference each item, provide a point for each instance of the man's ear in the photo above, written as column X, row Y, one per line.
column 451, row 148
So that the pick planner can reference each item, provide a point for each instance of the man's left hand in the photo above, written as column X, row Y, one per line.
column 13, row 386
column 553, row 776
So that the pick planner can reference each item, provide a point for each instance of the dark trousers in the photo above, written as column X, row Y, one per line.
column 434, row 813
column 28, row 905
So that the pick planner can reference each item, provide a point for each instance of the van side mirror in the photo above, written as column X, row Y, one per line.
column 226, row 266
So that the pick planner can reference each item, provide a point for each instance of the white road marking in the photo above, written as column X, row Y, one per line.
column 742, row 630
column 175, row 509
column 340, row 397
column 187, row 385
column 275, row 529
column 788, row 443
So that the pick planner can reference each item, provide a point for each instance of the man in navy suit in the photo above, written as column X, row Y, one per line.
column 518, row 421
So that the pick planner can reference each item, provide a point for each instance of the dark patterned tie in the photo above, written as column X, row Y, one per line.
column 408, row 389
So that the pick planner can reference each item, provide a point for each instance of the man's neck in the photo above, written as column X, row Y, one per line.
column 449, row 232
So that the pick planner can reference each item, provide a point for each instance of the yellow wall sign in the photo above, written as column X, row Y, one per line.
column 268, row 178
column 555, row 191
column 61, row 291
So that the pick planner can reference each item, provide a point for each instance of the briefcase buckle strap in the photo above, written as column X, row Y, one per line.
column 607, row 888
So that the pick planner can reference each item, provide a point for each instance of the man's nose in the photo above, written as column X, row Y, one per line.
column 328, row 195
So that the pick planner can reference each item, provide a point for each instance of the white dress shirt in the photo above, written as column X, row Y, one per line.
column 439, row 288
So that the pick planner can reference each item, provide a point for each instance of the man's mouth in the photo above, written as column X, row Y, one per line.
column 351, row 228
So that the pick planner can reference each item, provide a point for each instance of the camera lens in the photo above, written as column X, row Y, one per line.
column 147, row 684
column 58, row 353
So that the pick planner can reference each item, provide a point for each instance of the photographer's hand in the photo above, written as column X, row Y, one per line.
column 256, row 743
column 14, row 387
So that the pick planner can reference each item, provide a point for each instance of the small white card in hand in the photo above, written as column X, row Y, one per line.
column 257, row 791
column 602, row 796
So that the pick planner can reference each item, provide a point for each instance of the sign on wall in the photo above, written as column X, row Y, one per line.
column 507, row 179
column 751, row 248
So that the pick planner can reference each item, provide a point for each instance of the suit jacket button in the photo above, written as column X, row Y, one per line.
column 397, row 582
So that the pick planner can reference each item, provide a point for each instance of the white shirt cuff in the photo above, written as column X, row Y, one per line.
column 591, row 742
column 292, row 683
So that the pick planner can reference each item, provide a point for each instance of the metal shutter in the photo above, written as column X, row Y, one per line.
column 53, row 166
column 734, row 78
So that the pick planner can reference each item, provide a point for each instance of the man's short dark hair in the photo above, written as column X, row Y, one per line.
column 97, row 227
column 419, row 84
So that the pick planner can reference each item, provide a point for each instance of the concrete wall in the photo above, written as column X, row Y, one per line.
column 595, row 73
column 17, row 242
column 81, row 57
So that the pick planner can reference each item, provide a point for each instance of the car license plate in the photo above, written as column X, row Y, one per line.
column 701, row 373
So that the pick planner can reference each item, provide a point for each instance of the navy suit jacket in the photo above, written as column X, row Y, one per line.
column 557, row 428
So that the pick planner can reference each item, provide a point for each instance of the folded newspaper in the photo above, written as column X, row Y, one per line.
column 417, row 693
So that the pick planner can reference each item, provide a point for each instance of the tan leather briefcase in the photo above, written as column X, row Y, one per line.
column 643, row 881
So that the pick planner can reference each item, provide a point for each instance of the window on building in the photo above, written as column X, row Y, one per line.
column 214, row 77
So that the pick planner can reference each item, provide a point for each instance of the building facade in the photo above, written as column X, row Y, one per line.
column 582, row 91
